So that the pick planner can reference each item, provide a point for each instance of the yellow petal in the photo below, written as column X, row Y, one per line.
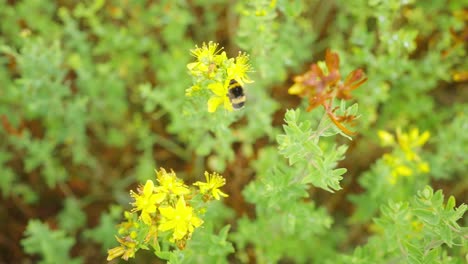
column 167, row 212
column 167, row 225
column 179, row 190
column 414, row 134
column 386, row 139
column 216, row 194
column 148, row 189
column 213, row 103
column 219, row 59
column 159, row 197
column 180, row 204
column 218, row 89
column 423, row 167
column 146, row 218
column 403, row 170
column 423, row 138
column 192, row 65
column 180, row 230
column 227, row 104
column 296, row 89
column 115, row 252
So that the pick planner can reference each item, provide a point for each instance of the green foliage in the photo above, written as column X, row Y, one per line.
column 300, row 145
column 451, row 145
column 265, row 32
column 280, row 193
column 215, row 248
column 415, row 232
column 71, row 218
column 53, row 246
column 383, row 36
column 104, row 233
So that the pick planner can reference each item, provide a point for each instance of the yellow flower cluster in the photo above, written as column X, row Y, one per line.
column 164, row 207
column 213, row 71
column 404, row 160
column 210, row 188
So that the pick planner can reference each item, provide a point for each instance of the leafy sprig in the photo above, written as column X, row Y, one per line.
column 322, row 84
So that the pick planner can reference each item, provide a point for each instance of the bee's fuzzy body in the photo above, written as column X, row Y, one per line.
column 236, row 94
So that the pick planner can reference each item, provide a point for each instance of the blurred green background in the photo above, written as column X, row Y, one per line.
column 92, row 101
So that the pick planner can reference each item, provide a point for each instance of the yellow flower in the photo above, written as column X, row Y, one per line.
column 419, row 140
column 146, row 201
column 403, row 170
column 239, row 69
column 180, row 219
column 126, row 226
column 386, row 139
column 115, row 252
column 170, row 184
column 196, row 68
column 207, row 53
column 213, row 183
column 398, row 168
column 127, row 249
column 213, row 71
column 409, row 142
column 423, row 167
column 412, row 139
column 208, row 60
column 219, row 97
column 296, row 89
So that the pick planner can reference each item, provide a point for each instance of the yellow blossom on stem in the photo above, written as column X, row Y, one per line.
column 127, row 249
column 386, row 139
column 409, row 142
column 180, row 219
column 115, row 252
column 239, row 69
column 423, row 167
column 398, row 168
column 169, row 184
column 213, row 71
column 297, row 88
column 146, row 201
column 208, row 59
column 163, row 207
column 213, row 183
column 412, row 139
column 403, row 170
column 219, row 97
column 207, row 53
column 404, row 161
column 131, row 222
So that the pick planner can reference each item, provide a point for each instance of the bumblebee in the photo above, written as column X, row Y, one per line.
column 236, row 95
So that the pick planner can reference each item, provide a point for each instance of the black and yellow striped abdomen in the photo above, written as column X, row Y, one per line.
column 236, row 94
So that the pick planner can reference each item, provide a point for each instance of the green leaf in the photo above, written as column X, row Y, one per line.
column 53, row 246
column 450, row 203
column 104, row 233
column 428, row 216
column 446, row 234
column 415, row 255
column 72, row 217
